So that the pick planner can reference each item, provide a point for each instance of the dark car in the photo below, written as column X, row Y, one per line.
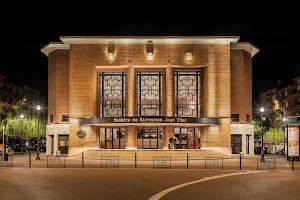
column 257, row 150
column 16, row 148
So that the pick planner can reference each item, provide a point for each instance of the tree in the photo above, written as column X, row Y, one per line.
column 28, row 126
column 257, row 129
column 273, row 136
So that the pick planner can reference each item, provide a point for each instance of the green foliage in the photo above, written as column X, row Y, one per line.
column 28, row 126
column 274, row 135
column 257, row 129
column 273, row 118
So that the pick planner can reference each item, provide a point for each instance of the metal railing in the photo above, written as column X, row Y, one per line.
column 139, row 160
column 110, row 161
column 213, row 162
column 161, row 161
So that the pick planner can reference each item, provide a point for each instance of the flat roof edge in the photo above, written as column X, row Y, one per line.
column 145, row 39
column 247, row 46
column 52, row 46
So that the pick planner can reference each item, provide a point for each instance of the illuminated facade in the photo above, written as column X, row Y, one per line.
column 137, row 92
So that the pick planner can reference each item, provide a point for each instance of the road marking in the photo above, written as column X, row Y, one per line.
column 166, row 191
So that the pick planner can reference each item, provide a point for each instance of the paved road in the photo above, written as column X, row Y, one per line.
column 140, row 184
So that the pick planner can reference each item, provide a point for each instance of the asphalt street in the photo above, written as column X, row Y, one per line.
column 140, row 184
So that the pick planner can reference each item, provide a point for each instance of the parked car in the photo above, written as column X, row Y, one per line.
column 257, row 150
column 280, row 152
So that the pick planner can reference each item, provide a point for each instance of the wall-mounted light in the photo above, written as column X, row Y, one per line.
column 149, row 49
column 150, row 56
column 111, row 50
column 111, row 56
column 188, row 56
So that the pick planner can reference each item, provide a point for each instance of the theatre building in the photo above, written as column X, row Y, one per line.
column 134, row 93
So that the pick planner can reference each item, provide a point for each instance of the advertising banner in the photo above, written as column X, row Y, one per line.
column 293, row 141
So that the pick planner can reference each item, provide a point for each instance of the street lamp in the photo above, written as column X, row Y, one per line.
column 262, row 159
column 284, row 119
column 3, row 148
column 38, row 108
column 22, row 116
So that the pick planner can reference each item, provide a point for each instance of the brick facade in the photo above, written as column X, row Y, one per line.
column 226, row 79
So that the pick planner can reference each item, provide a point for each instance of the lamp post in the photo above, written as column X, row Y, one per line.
column 22, row 117
column 38, row 108
column 3, row 143
column 284, row 149
column 262, row 159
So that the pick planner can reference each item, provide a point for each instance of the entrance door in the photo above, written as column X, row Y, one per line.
column 236, row 144
column 247, row 144
column 52, row 143
column 112, row 138
column 150, row 138
column 63, row 144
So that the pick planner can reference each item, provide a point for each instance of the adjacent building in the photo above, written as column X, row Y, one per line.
column 137, row 92
column 285, row 98
column 12, row 93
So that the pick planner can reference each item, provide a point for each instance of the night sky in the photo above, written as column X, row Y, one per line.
column 272, row 27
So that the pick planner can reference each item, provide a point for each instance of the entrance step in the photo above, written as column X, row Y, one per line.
column 143, row 154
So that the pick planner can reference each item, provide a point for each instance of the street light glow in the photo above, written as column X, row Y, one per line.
column 284, row 119
column 38, row 107
column 262, row 109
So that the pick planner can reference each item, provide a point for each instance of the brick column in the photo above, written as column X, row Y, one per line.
column 131, row 140
column 169, row 93
column 130, row 92
column 168, row 131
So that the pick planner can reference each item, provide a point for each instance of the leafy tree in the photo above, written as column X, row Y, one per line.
column 272, row 122
column 273, row 136
column 257, row 129
column 28, row 126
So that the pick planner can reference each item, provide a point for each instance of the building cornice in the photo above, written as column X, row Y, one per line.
column 68, row 40
column 245, row 46
column 52, row 46
column 146, row 39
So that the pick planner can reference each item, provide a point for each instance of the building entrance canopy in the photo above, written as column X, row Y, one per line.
column 149, row 119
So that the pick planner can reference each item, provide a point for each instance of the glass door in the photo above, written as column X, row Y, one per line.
column 150, row 138
column 236, row 146
column 63, row 144
column 112, row 138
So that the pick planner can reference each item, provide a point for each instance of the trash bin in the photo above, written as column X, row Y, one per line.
column 5, row 157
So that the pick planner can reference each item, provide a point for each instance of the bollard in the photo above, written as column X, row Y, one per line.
column 187, row 160
column 293, row 158
column 82, row 160
column 134, row 159
column 241, row 160
column 29, row 159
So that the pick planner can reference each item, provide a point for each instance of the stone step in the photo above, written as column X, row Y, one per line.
column 149, row 154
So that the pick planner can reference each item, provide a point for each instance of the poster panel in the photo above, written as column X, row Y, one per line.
column 293, row 141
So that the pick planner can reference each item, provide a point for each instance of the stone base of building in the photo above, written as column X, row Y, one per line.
column 58, row 137
column 242, row 138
